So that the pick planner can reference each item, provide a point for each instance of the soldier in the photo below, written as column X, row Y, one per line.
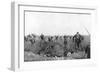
column 87, row 51
column 65, row 45
column 56, row 37
column 42, row 44
column 77, row 38
column 42, row 37
column 65, row 40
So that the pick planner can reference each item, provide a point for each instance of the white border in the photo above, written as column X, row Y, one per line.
column 18, row 39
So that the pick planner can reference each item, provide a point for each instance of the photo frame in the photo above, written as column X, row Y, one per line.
column 19, row 12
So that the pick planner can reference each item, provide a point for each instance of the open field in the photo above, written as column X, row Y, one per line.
column 41, row 51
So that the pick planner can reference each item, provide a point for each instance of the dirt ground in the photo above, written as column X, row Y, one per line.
column 29, row 56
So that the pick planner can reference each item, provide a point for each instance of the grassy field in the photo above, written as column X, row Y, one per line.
column 31, row 50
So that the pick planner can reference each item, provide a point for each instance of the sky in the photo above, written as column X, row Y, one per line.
column 56, row 23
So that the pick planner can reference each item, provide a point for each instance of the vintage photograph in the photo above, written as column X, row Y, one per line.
column 50, row 35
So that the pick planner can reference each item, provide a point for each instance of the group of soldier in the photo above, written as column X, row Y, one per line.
column 47, row 44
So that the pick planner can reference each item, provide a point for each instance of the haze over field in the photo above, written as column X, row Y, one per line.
column 56, row 23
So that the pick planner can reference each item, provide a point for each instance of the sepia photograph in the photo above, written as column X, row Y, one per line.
column 52, row 35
